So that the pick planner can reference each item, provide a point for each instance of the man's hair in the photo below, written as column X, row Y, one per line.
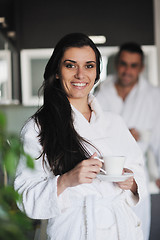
column 131, row 47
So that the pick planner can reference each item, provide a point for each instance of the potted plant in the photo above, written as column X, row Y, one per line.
column 14, row 224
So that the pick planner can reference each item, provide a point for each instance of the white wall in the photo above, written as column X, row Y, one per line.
column 157, row 31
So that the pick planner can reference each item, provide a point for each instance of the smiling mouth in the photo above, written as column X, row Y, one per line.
column 79, row 84
column 127, row 75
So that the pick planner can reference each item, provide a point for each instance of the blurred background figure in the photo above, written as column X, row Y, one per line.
column 127, row 93
column 156, row 150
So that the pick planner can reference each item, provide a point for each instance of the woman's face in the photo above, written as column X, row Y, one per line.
column 78, row 71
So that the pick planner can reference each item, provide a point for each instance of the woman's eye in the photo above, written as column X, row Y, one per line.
column 70, row 66
column 89, row 66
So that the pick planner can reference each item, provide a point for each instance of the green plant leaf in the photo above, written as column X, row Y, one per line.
column 3, row 214
column 29, row 161
column 14, row 224
column 2, row 121
column 10, row 162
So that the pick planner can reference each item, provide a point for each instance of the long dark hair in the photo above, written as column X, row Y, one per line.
column 62, row 145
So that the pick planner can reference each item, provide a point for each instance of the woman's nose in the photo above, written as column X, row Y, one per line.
column 79, row 73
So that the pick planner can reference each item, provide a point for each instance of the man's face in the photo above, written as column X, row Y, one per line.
column 129, row 67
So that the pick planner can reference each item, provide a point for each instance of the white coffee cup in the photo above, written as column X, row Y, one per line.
column 113, row 165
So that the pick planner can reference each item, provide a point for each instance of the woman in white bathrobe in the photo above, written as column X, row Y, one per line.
column 64, row 137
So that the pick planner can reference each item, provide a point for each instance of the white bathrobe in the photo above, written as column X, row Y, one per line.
column 96, row 211
column 156, row 146
column 140, row 111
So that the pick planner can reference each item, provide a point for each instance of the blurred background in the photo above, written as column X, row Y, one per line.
column 29, row 31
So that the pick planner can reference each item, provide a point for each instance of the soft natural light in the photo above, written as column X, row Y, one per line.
column 98, row 39
column 3, row 71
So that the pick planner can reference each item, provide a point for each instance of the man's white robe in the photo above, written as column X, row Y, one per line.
column 140, row 111
column 96, row 211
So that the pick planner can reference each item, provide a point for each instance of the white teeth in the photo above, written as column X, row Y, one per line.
column 79, row 84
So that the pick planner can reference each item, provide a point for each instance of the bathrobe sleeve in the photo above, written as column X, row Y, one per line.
column 38, row 186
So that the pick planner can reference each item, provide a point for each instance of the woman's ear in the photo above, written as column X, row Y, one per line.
column 57, row 76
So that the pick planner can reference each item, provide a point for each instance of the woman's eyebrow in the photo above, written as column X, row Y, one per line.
column 69, row 60
column 90, row 62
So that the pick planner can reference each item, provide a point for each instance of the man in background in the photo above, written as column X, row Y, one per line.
column 127, row 93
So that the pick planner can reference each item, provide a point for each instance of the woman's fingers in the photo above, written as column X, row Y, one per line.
column 91, row 175
column 84, row 172
column 128, row 183
column 91, row 165
column 91, row 162
column 88, row 166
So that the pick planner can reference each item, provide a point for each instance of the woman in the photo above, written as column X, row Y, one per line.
column 64, row 136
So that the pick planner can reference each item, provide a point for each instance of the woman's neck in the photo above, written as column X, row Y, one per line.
column 82, row 106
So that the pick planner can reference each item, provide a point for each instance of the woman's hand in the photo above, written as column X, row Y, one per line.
column 128, row 184
column 84, row 172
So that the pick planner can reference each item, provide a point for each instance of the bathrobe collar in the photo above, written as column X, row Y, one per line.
column 84, row 127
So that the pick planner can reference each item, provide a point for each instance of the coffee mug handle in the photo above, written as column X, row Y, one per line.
column 101, row 160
